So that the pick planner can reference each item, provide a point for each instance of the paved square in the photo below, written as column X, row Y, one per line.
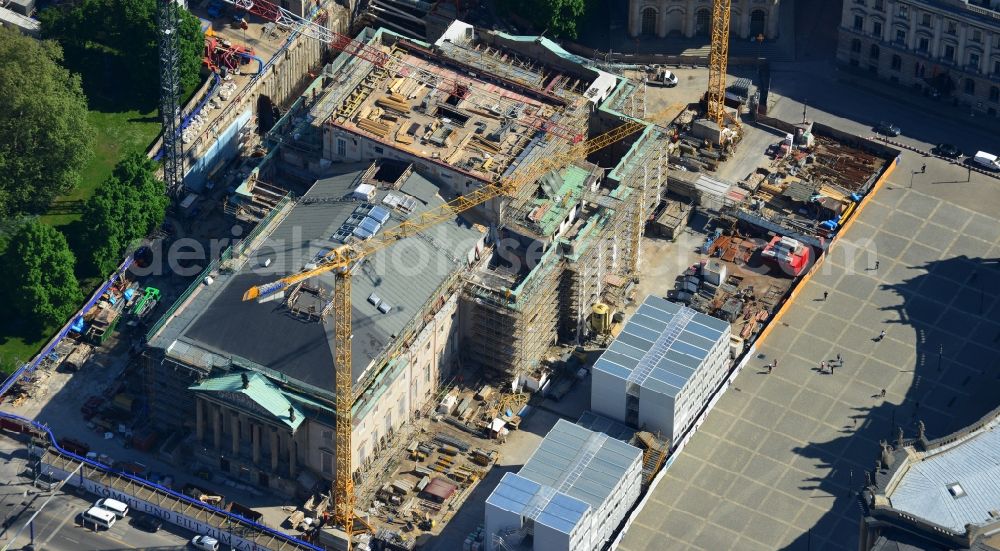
column 776, row 463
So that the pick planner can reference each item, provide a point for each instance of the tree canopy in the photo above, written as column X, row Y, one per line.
column 127, row 206
column 558, row 17
column 37, row 270
column 126, row 30
column 44, row 133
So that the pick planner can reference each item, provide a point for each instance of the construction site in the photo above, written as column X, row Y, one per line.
column 447, row 234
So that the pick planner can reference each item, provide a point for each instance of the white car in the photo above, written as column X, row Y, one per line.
column 987, row 161
column 205, row 543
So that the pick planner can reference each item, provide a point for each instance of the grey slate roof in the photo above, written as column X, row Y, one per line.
column 972, row 462
column 662, row 345
column 404, row 275
column 572, row 470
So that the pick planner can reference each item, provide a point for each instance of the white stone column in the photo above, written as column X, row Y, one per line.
column 234, row 425
column 255, row 442
column 217, row 427
column 199, row 419
column 274, row 450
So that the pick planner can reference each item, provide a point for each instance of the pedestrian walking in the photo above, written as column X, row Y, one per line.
column 825, row 294
column 881, row 336
column 883, row 393
column 769, row 367
column 822, row 367
column 876, row 265
column 840, row 362
column 855, row 422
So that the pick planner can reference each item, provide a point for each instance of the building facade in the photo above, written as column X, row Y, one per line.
column 689, row 18
column 662, row 368
column 945, row 48
column 569, row 496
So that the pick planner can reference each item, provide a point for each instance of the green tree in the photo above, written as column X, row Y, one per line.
column 125, row 208
column 127, row 30
column 44, row 133
column 37, row 268
column 557, row 17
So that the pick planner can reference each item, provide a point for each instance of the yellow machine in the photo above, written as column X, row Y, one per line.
column 717, row 62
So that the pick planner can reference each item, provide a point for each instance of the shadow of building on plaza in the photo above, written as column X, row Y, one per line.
column 951, row 306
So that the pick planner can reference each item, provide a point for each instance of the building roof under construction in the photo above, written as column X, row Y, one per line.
column 476, row 107
column 389, row 289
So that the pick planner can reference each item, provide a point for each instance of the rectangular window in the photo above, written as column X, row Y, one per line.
column 328, row 436
column 925, row 19
column 427, row 373
column 879, row 5
column 859, row 22
column 877, row 29
column 341, row 147
column 903, row 11
column 952, row 27
column 901, row 36
column 949, row 52
column 402, row 408
column 924, row 44
column 327, row 462
column 996, row 67
column 974, row 61
column 977, row 35
column 363, row 452
column 379, row 150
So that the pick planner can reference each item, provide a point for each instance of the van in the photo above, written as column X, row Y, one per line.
column 99, row 518
column 113, row 505
column 987, row 160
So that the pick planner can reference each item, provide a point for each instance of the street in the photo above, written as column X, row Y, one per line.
column 57, row 526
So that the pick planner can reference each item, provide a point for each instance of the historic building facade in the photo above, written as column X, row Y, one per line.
column 949, row 48
column 689, row 18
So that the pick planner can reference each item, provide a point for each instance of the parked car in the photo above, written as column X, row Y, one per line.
column 147, row 522
column 887, row 129
column 986, row 160
column 117, row 507
column 205, row 543
column 948, row 150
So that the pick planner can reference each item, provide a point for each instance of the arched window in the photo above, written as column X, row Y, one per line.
column 897, row 63
column 649, row 21
column 994, row 94
column 856, row 46
column 873, row 51
column 758, row 22
column 702, row 22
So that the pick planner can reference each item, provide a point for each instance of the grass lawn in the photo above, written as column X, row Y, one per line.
column 122, row 124
column 115, row 135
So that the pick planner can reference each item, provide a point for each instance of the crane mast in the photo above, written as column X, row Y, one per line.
column 170, row 110
column 718, row 59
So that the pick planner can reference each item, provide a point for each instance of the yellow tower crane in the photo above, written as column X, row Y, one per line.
column 717, row 61
column 341, row 259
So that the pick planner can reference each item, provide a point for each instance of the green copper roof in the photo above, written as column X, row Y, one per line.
column 263, row 393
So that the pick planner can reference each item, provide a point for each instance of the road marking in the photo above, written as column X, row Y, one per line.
column 52, row 534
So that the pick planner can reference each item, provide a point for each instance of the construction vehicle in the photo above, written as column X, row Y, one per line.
column 144, row 304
